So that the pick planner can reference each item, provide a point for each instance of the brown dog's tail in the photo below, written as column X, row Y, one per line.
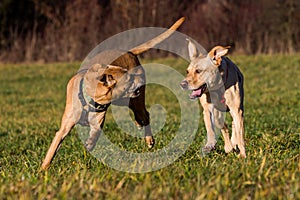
column 151, row 43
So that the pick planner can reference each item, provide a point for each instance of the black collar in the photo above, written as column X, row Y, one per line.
column 87, row 100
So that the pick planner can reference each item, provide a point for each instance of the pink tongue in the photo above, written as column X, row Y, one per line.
column 196, row 93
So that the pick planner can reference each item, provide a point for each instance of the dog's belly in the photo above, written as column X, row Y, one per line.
column 222, row 108
column 121, row 102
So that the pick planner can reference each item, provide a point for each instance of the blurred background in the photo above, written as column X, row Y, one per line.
column 67, row 30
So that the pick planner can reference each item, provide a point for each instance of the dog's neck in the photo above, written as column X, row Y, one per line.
column 88, row 101
column 223, row 69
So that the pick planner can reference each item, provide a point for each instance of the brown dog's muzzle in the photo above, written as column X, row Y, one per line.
column 133, row 93
column 136, row 92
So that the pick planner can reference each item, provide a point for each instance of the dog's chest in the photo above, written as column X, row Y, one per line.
column 218, row 99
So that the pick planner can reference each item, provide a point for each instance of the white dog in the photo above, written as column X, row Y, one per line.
column 218, row 83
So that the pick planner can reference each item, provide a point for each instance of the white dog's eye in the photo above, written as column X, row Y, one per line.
column 198, row 71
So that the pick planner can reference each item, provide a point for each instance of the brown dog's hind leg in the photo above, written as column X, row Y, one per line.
column 65, row 128
column 70, row 117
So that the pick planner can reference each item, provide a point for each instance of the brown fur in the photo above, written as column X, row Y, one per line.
column 108, row 82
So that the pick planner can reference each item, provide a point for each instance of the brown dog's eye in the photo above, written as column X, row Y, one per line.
column 102, row 78
column 198, row 71
column 110, row 77
column 187, row 71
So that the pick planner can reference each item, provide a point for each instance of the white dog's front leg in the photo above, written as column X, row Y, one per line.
column 211, row 140
column 208, row 120
column 219, row 119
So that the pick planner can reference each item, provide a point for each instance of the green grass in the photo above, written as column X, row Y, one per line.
column 32, row 103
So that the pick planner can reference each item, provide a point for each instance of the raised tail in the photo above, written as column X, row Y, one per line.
column 151, row 43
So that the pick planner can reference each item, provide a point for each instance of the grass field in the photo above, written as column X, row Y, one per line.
column 32, row 102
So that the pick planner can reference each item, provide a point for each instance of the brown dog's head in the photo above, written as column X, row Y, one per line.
column 128, row 85
column 203, row 72
column 103, row 81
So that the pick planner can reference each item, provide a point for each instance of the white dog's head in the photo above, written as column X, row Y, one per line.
column 203, row 72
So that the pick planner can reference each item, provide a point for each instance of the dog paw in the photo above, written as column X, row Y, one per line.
column 208, row 148
column 89, row 145
column 228, row 148
column 45, row 165
column 242, row 155
column 150, row 141
column 234, row 143
column 138, row 126
column 242, row 151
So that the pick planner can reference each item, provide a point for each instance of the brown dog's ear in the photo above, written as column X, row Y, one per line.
column 113, row 69
column 110, row 74
column 192, row 49
column 94, row 71
column 217, row 52
column 104, row 74
column 96, row 74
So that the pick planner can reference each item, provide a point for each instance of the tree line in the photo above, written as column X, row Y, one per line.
column 55, row 30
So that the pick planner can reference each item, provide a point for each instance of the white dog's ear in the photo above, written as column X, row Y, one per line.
column 217, row 52
column 192, row 49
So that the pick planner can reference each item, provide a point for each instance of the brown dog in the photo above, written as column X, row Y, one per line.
column 90, row 92
column 218, row 83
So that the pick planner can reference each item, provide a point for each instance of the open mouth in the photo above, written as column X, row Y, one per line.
column 134, row 91
column 198, row 92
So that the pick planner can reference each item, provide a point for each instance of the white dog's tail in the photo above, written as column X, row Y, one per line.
column 151, row 43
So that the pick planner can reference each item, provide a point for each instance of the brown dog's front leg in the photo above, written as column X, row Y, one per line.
column 93, row 138
column 137, row 105
column 96, row 121
column 148, row 136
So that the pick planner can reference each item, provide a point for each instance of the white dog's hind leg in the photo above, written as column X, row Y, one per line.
column 238, row 131
column 233, row 136
column 227, row 143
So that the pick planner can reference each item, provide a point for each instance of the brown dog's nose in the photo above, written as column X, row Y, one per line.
column 184, row 84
